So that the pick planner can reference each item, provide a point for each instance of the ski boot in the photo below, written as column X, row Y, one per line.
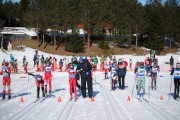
column 49, row 91
column 43, row 93
column 3, row 97
column 151, row 87
column 177, row 96
column 76, row 98
column 9, row 97
column 174, row 97
column 70, row 97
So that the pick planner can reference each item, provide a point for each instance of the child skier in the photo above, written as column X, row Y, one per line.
column 154, row 69
column 72, row 80
column 25, row 64
column 130, row 64
column 114, row 76
column 15, row 64
column 48, row 76
column 140, row 72
column 39, row 83
column 6, row 79
column 176, row 73
column 106, row 68
column 60, row 65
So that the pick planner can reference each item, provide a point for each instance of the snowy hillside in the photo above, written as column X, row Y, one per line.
column 107, row 105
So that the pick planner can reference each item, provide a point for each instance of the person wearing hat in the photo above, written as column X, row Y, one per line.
column 171, row 60
column 95, row 61
column 176, row 74
column 85, row 68
column 72, row 80
column 106, row 69
column 6, row 79
column 48, row 76
column 114, row 76
column 121, row 71
column 15, row 64
column 140, row 72
column 154, row 69
column 39, row 83
column 75, row 64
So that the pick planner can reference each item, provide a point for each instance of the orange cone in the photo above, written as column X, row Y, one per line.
column 128, row 99
column 92, row 99
column 21, row 99
column 59, row 99
column 161, row 97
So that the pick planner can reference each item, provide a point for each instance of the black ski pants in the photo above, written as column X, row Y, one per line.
column 88, row 80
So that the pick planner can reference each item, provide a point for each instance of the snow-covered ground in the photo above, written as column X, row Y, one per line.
column 108, row 105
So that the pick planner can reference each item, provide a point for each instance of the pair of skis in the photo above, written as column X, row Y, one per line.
column 43, row 98
column 140, row 99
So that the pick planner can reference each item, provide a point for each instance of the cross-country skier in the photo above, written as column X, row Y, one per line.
column 48, row 76
column 114, row 75
column 60, row 65
column 171, row 60
column 6, row 79
column 39, row 83
column 176, row 73
column 95, row 61
column 106, row 69
column 85, row 68
column 130, row 64
column 75, row 64
column 154, row 70
column 72, row 80
column 140, row 72
column 25, row 64
column 15, row 64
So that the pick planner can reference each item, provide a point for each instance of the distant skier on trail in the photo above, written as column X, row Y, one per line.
column 171, row 60
column 130, row 64
column 6, row 79
column 176, row 74
column 39, row 83
column 106, row 69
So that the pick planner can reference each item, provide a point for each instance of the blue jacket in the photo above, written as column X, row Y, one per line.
column 121, row 70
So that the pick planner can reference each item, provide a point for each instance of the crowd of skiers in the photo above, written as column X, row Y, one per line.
column 82, row 68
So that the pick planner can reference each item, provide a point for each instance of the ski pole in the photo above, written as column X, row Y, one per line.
column 149, row 87
column 133, row 87
column 54, row 82
column 28, row 84
column 97, row 82
column 170, row 88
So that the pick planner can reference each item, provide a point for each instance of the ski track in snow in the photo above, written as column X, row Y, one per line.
column 108, row 105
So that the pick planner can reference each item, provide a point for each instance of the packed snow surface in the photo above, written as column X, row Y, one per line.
column 107, row 105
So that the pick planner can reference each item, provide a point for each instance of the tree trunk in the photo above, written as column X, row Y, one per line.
column 136, row 38
column 55, row 41
column 43, row 38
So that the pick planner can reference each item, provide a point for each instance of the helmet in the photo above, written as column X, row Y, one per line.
column 81, row 59
column 141, row 64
